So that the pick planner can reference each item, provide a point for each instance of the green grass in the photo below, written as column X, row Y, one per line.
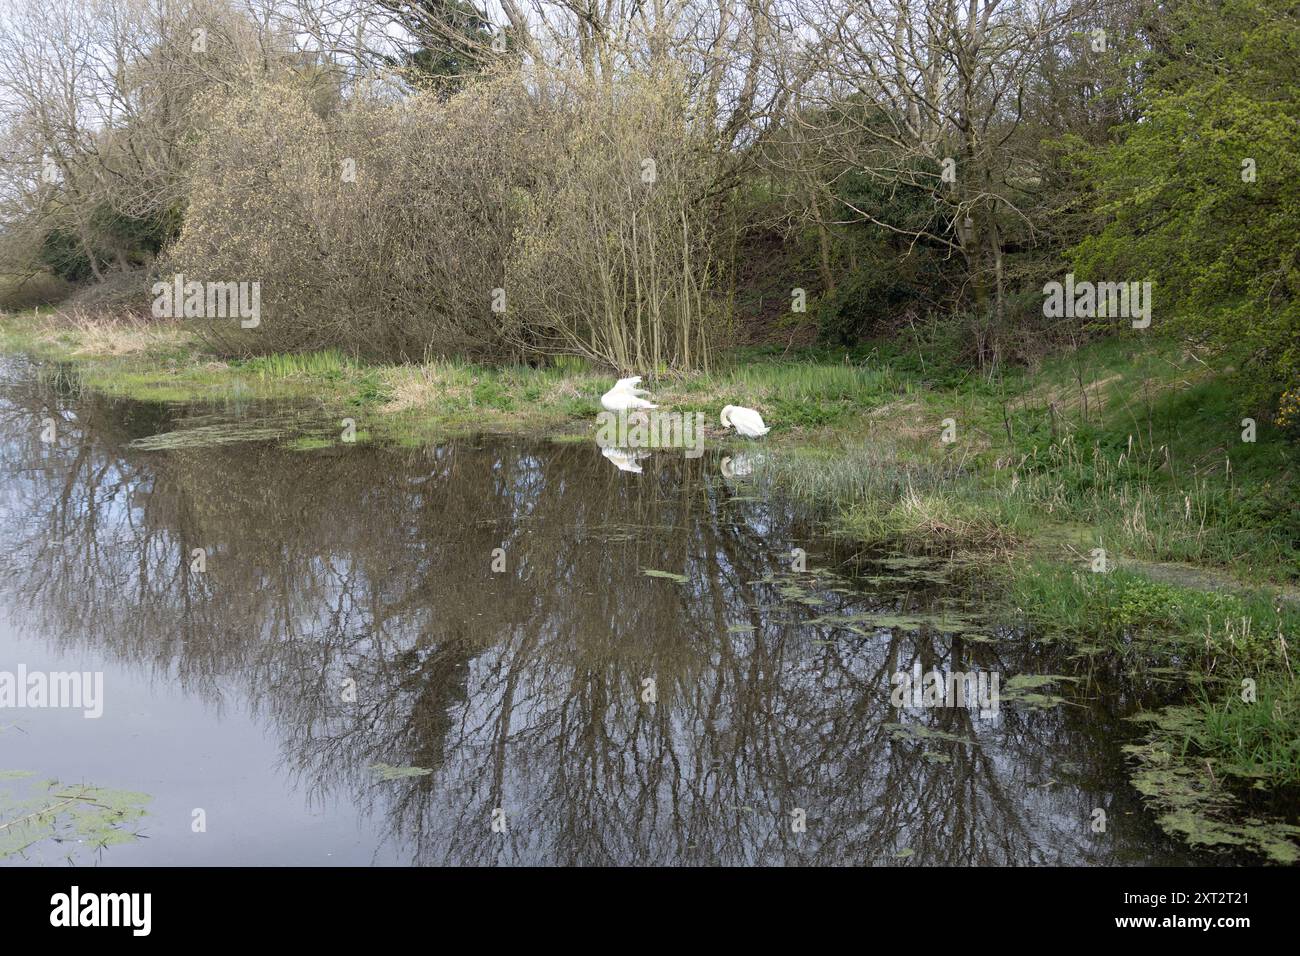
column 326, row 364
column 804, row 394
column 1151, row 621
column 1253, row 740
column 878, row 494
column 1154, row 459
column 1132, row 444
column 1140, row 442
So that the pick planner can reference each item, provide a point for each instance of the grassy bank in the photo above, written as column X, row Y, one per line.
column 1218, row 751
column 1132, row 445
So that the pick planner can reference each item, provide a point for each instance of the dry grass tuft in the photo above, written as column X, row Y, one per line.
column 417, row 386
column 115, row 334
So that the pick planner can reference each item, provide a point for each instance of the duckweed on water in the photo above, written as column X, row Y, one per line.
column 667, row 575
column 386, row 772
column 207, row 435
column 47, row 820
column 1025, row 690
column 922, row 733
column 1177, row 780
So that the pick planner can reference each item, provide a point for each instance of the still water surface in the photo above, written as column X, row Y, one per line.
column 226, row 690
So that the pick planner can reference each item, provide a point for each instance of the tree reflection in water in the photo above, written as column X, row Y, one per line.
column 522, row 689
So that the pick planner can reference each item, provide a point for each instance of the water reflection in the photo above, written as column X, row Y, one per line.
column 517, row 676
column 626, row 459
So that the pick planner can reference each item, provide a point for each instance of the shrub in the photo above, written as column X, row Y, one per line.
column 381, row 229
column 613, row 260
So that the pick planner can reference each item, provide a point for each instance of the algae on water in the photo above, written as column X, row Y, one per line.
column 1191, row 801
column 667, row 575
column 50, row 821
column 386, row 772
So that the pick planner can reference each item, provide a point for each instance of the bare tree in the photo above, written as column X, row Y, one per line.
column 927, row 96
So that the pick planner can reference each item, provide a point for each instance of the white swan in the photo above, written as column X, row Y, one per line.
column 625, row 459
column 625, row 396
column 746, row 421
column 742, row 466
